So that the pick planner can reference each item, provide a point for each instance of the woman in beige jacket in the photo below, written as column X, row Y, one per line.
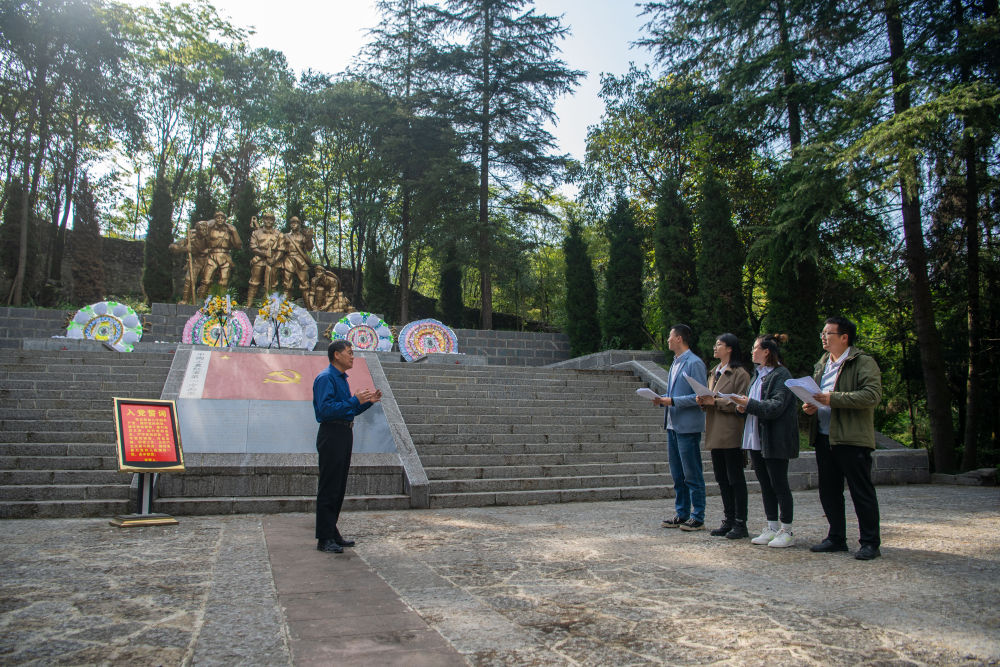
column 724, row 435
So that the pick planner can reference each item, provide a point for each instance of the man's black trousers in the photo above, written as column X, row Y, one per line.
column 334, row 443
column 853, row 464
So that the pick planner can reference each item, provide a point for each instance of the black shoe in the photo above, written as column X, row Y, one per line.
column 726, row 526
column 692, row 524
column 738, row 532
column 867, row 552
column 828, row 546
column 343, row 542
column 673, row 523
column 330, row 547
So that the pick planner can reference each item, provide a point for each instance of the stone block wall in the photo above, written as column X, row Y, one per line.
column 514, row 348
column 165, row 323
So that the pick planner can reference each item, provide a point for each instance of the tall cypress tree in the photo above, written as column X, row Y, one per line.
column 379, row 297
column 450, row 306
column 582, row 324
column 792, row 272
column 673, row 245
column 157, row 276
column 85, row 260
column 245, row 209
column 622, row 312
column 720, row 306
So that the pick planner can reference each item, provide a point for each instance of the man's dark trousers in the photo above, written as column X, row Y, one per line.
column 853, row 463
column 334, row 443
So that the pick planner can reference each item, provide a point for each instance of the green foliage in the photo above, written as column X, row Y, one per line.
column 582, row 324
column 379, row 294
column 451, row 310
column 621, row 315
column 87, row 264
column 157, row 278
column 673, row 242
column 720, row 268
column 244, row 209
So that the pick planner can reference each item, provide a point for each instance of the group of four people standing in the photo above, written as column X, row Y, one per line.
column 759, row 419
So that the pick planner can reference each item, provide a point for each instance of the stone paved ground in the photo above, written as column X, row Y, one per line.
column 578, row 584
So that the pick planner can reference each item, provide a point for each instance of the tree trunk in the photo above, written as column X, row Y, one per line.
column 485, row 268
column 928, row 338
column 404, row 262
column 973, row 394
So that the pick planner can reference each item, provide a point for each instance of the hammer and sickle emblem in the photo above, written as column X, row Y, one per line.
column 287, row 376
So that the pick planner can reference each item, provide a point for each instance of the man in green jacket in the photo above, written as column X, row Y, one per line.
column 843, row 434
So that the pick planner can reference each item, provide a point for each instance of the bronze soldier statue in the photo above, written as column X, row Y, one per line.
column 216, row 238
column 195, row 261
column 298, row 246
column 267, row 249
column 325, row 293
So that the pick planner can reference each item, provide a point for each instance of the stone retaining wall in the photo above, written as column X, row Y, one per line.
column 165, row 323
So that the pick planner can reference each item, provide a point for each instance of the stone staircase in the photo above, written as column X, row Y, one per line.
column 57, row 438
column 488, row 435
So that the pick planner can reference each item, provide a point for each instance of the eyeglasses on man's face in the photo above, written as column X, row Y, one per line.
column 827, row 334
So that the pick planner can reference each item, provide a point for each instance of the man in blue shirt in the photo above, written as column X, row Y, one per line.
column 685, row 422
column 335, row 411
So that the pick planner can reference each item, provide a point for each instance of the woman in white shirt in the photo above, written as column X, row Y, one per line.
column 771, row 435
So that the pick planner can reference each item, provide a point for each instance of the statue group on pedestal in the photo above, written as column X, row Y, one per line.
column 276, row 258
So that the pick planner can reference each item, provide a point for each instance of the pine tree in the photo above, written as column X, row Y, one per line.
column 502, row 80
column 673, row 245
column 157, row 278
column 87, row 263
column 622, row 312
column 720, row 306
column 450, row 306
column 582, row 324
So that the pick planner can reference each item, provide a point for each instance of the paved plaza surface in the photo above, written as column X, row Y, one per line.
column 572, row 584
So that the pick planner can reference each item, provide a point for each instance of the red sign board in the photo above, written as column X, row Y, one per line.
column 148, row 435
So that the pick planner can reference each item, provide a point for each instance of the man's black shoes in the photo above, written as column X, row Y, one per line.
column 828, row 546
column 867, row 552
column 343, row 542
column 330, row 547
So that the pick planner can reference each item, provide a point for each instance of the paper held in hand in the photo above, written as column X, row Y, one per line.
column 702, row 390
column 804, row 388
column 646, row 392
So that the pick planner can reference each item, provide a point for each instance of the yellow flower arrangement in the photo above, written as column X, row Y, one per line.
column 277, row 308
column 218, row 306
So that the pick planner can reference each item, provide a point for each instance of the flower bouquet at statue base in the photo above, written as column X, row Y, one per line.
column 282, row 324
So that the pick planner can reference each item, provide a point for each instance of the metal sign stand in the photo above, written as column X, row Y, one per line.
column 145, row 516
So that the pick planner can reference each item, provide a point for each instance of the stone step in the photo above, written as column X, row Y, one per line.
column 545, row 483
column 8, row 413
column 63, row 509
column 57, row 425
column 29, row 477
column 530, row 438
column 422, row 403
column 58, row 463
column 567, row 393
column 53, row 449
column 451, row 370
column 458, row 414
column 73, row 404
column 540, row 424
column 533, row 469
column 120, row 376
column 519, row 384
column 432, row 461
column 54, row 388
column 549, row 496
column 46, row 492
column 61, row 437
column 272, row 504
column 554, row 446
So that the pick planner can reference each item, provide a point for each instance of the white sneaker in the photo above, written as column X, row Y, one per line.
column 783, row 538
column 765, row 537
